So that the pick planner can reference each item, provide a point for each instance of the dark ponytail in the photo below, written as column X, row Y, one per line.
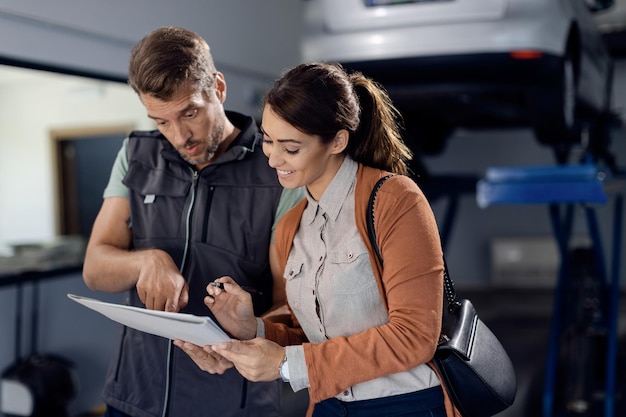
column 377, row 142
column 321, row 99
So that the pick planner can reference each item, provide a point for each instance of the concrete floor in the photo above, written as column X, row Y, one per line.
column 520, row 318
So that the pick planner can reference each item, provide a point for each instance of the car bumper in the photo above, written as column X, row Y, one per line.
column 473, row 90
column 468, row 72
column 454, row 39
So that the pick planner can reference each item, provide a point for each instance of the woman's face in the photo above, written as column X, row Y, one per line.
column 298, row 158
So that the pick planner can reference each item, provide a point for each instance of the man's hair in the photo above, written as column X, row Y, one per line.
column 168, row 59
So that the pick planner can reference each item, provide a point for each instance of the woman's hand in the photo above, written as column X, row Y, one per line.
column 256, row 360
column 232, row 307
column 207, row 360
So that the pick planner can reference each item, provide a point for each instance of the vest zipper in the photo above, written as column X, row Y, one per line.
column 168, row 375
column 205, row 224
column 192, row 201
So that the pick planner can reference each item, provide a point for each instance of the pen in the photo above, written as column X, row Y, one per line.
column 251, row 290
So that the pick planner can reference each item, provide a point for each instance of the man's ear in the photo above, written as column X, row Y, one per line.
column 340, row 142
column 220, row 87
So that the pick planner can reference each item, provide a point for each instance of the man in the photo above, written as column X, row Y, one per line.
column 185, row 204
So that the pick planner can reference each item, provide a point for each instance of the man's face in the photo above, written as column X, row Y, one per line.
column 192, row 121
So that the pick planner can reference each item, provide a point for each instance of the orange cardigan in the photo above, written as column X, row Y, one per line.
column 411, row 286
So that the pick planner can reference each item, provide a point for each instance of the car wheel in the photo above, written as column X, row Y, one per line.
column 554, row 111
column 569, row 96
column 601, row 127
column 427, row 137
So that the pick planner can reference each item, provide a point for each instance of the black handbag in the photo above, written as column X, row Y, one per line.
column 475, row 369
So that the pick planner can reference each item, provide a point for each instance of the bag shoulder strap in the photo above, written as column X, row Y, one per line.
column 370, row 216
column 448, row 284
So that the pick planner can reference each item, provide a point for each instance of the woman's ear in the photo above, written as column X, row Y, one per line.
column 340, row 142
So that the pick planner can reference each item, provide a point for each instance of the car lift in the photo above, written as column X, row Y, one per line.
column 592, row 315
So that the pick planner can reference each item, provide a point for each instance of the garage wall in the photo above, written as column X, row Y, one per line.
column 255, row 37
column 250, row 41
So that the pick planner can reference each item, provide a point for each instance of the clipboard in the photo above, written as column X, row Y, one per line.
column 199, row 330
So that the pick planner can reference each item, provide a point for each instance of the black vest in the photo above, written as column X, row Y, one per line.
column 213, row 222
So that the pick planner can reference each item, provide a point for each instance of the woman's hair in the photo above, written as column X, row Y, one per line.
column 321, row 99
column 168, row 59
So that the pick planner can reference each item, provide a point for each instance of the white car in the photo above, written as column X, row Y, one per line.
column 474, row 63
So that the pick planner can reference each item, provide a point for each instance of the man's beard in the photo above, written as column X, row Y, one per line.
column 210, row 153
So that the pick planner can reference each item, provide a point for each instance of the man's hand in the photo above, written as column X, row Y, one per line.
column 160, row 285
column 207, row 360
column 111, row 265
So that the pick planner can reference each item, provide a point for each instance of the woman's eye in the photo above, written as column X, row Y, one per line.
column 268, row 142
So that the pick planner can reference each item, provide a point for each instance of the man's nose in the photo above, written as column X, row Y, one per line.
column 181, row 134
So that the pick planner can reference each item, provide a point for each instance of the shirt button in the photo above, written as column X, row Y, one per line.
column 346, row 393
column 349, row 255
column 291, row 272
column 321, row 257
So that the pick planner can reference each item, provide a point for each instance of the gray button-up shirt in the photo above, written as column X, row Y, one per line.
column 332, row 289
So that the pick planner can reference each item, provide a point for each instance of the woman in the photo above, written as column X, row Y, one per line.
column 360, row 336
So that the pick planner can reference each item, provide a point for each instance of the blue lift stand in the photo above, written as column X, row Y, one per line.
column 564, row 188
column 450, row 187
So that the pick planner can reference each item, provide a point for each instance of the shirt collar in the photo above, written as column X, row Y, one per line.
column 335, row 194
column 245, row 141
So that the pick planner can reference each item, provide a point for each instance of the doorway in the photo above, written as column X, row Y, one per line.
column 83, row 159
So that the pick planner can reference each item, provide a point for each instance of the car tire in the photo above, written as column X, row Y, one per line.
column 427, row 137
column 554, row 111
column 601, row 127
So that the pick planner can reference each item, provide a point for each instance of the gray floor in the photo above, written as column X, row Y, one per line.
column 521, row 320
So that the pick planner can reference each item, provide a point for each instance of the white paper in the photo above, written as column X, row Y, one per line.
column 199, row 330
